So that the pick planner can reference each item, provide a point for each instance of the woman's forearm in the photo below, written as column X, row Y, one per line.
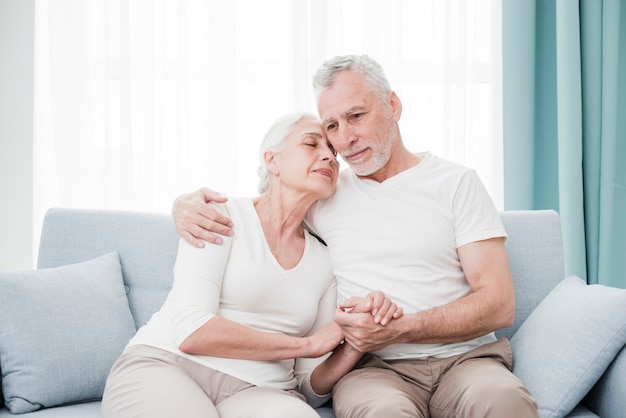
column 221, row 337
column 327, row 373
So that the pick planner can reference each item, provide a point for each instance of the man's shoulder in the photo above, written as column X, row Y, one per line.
column 435, row 161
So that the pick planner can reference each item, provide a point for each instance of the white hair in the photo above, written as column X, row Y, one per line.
column 363, row 64
column 274, row 141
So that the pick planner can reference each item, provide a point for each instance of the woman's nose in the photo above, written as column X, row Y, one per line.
column 326, row 150
column 328, row 155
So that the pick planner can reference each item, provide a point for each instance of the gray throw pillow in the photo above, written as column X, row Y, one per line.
column 61, row 330
column 567, row 343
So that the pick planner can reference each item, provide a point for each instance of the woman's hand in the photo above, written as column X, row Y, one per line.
column 196, row 221
column 380, row 306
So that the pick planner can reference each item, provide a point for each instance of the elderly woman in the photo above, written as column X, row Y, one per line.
column 247, row 328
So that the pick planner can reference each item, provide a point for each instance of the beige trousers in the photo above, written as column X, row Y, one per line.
column 153, row 383
column 477, row 384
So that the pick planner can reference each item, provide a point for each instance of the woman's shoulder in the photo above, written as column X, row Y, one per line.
column 234, row 206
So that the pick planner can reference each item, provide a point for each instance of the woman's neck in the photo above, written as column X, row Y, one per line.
column 281, row 218
column 282, row 212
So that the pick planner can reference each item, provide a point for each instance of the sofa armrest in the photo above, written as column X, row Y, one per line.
column 607, row 397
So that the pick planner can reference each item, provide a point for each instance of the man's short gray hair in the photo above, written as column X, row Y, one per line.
column 274, row 141
column 363, row 64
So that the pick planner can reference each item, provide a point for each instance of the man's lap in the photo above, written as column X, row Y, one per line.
column 413, row 387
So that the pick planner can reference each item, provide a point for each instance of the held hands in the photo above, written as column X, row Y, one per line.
column 363, row 321
column 197, row 221
column 375, row 309
column 382, row 309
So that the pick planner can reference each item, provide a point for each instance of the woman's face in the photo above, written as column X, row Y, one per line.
column 307, row 161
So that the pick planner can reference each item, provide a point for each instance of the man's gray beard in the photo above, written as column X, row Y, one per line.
column 378, row 161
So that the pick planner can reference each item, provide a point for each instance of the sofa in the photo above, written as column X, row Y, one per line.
column 101, row 274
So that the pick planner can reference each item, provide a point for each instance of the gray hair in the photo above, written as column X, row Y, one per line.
column 363, row 64
column 274, row 141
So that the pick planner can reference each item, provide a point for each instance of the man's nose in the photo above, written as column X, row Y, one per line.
column 346, row 137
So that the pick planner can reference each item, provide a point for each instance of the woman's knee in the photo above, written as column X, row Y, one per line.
column 265, row 402
column 147, row 387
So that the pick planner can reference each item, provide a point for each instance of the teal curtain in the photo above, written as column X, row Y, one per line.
column 564, row 109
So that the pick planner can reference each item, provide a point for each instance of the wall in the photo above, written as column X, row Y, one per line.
column 16, row 133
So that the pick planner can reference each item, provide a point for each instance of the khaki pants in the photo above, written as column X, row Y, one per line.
column 475, row 384
column 153, row 383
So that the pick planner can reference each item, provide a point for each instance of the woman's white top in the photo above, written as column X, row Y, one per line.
column 242, row 281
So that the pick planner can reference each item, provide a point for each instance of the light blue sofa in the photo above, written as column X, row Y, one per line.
column 147, row 244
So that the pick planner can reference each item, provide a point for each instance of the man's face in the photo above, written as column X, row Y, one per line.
column 358, row 124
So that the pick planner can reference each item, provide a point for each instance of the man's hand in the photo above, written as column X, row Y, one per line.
column 196, row 221
column 362, row 333
column 363, row 321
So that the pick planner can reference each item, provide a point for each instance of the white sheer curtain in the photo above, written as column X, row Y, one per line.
column 138, row 101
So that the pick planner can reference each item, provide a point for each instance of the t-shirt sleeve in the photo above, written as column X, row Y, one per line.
column 475, row 215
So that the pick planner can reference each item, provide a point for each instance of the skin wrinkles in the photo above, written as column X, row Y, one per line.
column 363, row 129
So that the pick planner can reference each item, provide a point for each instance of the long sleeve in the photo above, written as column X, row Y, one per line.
column 198, row 276
column 304, row 366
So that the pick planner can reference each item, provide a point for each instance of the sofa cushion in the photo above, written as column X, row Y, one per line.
column 61, row 329
column 567, row 343
column 607, row 396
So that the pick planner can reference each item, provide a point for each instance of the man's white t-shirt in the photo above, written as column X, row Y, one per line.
column 401, row 237
column 241, row 280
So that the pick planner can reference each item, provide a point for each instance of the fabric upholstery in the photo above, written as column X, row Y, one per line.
column 61, row 329
column 147, row 244
column 535, row 249
column 81, row 410
column 608, row 397
column 567, row 343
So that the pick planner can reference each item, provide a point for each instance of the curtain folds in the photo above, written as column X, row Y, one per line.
column 565, row 127
column 138, row 101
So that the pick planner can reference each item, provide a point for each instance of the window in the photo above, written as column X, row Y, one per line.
column 139, row 101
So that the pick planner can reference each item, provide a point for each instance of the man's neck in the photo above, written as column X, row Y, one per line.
column 400, row 161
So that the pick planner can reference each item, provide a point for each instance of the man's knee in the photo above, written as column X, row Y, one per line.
column 514, row 400
column 482, row 398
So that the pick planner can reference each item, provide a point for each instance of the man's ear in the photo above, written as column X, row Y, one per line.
column 396, row 105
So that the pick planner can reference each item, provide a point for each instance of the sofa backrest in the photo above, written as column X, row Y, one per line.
column 535, row 249
column 148, row 242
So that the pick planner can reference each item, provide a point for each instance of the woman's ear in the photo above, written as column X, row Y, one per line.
column 271, row 161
